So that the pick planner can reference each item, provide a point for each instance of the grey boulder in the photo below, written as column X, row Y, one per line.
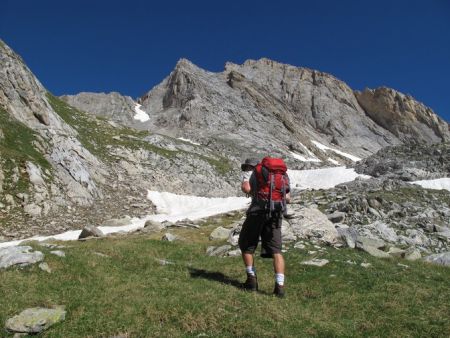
column 169, row 237
column 219, row 233
column 90, row 231
column 35, row 320
column 19, row 255
column 439, row 259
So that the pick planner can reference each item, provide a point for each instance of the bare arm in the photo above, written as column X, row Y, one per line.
column 245, row 187
column 288, row 197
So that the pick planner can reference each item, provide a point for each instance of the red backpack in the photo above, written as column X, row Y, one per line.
column 272, row 184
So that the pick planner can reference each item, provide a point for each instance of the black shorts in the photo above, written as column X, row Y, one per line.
column 269, row 229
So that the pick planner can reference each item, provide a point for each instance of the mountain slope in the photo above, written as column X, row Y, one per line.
column 62, row 168
column 264, row 106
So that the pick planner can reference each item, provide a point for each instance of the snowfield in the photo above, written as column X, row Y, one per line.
column 140, row 114
column 438, row 184
column 173, row 207
column 325, row 178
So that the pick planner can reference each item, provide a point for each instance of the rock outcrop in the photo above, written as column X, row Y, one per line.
column 402, row 115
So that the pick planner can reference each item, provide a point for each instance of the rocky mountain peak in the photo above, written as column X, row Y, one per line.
column 403, row 115
column 21, row 94
column 186, row 65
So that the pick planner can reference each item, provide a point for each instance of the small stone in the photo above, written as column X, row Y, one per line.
column 299, row 245
column 218, row 251
column 316, row 262
column 58, row 253
column 337, row 217
column 366, row 265
column 169, row 237
column 413, row 255
column 100, row 254
column 164, row 262
column 44, row 267
column 35, row 320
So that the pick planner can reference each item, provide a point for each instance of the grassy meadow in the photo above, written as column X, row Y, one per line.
column 140, row 286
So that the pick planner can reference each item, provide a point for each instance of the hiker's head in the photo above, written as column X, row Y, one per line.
column 249, row 164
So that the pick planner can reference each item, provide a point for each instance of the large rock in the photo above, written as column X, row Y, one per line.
column 32, row 210
column 383, row 231
column 349, row 236
column 35, row 320
column 402, row 115
column 439, row 259
column 155, row 226
column 312, row 223
column 233, row 238
column 219, row 233
column 90, row 231
column 218, row 251
column 375, row 252
column 372, row 246
column 287, row 232
column 363, row 242
column 337, row 217
column 19, row 255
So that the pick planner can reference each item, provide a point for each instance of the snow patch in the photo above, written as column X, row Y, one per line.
column 170, row 207
column 325, row 178
column 303, row 158
column 140, row 114
column 332, row 161
column 188, row 141
column 324, row 147
column 438, row 184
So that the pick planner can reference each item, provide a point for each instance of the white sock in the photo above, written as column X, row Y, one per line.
column 279, row 278
column 250, row 270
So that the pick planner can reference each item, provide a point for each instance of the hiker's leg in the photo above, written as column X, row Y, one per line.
column 278, row 263
column 248, row 259
column 248, row 241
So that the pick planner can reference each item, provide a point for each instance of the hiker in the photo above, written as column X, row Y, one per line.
column 264, row 218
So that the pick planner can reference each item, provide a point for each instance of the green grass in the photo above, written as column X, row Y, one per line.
column 221, row 165
column 16, row 148
column 130, row 293
column 96, row 134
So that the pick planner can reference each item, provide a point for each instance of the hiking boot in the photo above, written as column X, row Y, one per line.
column 251, row 284
column 278, row 290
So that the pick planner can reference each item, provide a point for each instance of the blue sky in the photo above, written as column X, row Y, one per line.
column 130, row 46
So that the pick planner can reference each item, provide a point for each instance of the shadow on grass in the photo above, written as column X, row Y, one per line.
column 218, row 277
